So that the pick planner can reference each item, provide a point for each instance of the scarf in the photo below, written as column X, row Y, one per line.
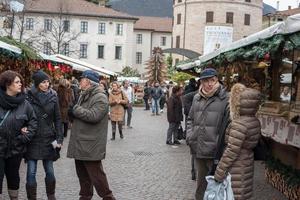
column 10, row 102
column 211, row 93
column 43, row 97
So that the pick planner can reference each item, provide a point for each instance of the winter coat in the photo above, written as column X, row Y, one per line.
column 65, row 98
column 117, row 109
column 12, row 141
column 146, row 92
column 156, row 93
column 89, row 129
column 49, row 129
column 241, row 137
column 205, row 118
column 189, row 88
column 174, row 112
column 187, row 102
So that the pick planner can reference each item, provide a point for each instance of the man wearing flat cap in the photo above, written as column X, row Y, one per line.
column 89, row 136
column 208, row 119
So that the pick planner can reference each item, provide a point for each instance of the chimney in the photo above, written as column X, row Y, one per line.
column 289, row 7
column 277, row 5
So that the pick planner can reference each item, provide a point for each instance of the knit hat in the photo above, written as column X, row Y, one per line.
column 39, row 77
column 91, row 75
column 208, row 73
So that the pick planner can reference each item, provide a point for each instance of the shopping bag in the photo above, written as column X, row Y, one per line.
column 218, row 191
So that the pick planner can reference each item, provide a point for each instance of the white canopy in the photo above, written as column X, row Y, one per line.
column 291, row 25
column 81, row 65
column 9, row 47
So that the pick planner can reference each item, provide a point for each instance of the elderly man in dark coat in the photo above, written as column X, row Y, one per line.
column 89, row 136
column 208, row 114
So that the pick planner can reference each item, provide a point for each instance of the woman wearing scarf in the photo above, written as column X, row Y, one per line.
column 117, row 100
column 49, row 137
column 17, row 127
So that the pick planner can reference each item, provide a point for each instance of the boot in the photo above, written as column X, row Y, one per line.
column 50, row 189
column 13, row 194
column 113, row 136
column 121, row 135
column 31, row 192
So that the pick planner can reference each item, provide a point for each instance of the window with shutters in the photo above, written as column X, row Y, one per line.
column 83, row 51
column 229, row 17
column 118, row 53
column 66, row 26
column 47, row 48
column 48, row 24
column 179, row 18
column 119, row 30
column 84, row 27
column 101, row 28
column 209, row 17
column 138, row 57
column 29, row 24
column 139, row 38
column 101, row 51
column 163, row 41
column 247, row 20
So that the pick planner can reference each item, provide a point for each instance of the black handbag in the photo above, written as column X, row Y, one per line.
column 262, row 150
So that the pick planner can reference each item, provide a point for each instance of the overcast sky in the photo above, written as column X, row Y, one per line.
column 283, row 4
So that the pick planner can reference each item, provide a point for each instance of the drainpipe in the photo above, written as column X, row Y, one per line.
column 184, row 26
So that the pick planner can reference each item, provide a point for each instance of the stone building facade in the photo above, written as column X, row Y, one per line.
column 192, row 17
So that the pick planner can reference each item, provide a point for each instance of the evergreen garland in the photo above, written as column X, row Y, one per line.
column 290, row 174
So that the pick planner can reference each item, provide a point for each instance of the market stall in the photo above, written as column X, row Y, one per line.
column 270, row 62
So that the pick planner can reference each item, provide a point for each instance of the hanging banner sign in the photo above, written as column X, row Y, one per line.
column 280, row 130
column 216, row 37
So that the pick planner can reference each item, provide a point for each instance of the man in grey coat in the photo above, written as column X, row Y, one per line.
column 89, row 136
column 209, row 112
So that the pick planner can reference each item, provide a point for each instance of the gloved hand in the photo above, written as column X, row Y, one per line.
column 71, row 114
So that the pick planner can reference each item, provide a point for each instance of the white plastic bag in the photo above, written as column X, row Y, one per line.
column 218, row 191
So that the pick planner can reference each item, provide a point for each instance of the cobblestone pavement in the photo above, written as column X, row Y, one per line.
column 140, row 167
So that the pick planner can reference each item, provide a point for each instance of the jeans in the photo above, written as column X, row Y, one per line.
column 172, row 131
column 129, row 114
column 155, row 105
column 10, row 168
column 31, row 171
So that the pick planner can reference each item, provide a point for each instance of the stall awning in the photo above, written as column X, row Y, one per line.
column 81, row 65
column 9, row 47
column 291, row 25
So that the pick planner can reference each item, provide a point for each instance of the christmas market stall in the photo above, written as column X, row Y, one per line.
column 269, row 61
column 17, row 57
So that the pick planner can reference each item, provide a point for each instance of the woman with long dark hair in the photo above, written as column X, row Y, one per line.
column 49, row 137
column 17, row 127
column 65, row 97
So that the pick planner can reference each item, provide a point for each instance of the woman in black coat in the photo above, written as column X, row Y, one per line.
column 15, row 114
column 49, row 137
column 174, row 114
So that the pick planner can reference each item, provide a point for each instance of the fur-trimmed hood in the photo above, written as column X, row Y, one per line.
column 243, row 101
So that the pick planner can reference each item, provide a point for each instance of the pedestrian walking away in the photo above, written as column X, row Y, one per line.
column 205, row 119
column 241, row 137
column 163, row 98
column 174, row 114
column 90, row 113
column 46, row 144
column 129, row 92
column 146, row 96
column 18, row 125
column 117, row 101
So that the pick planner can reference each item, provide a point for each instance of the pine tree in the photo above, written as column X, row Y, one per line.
column 156, row 67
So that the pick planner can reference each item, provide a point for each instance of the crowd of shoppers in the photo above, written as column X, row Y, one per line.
column 221, row 128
